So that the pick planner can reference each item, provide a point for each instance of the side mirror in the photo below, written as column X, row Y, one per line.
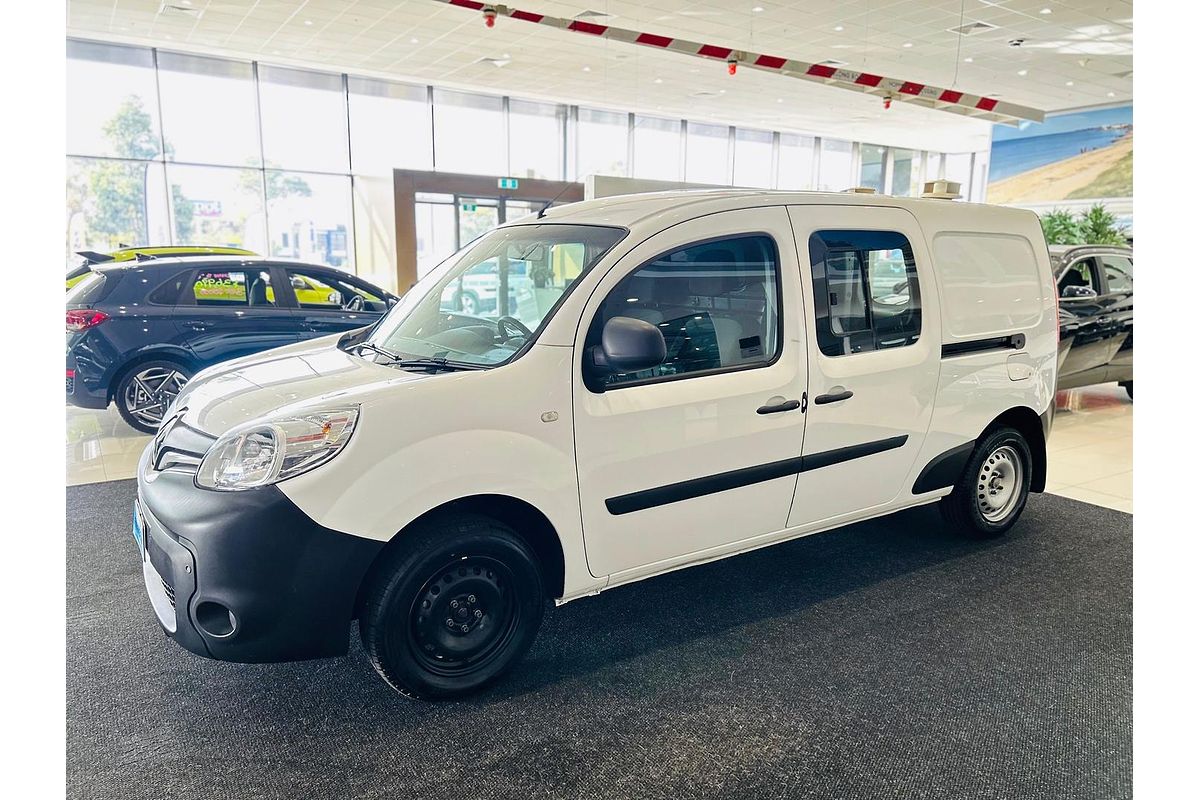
column 1078, row 291
column 298, row 283
column 629, row 345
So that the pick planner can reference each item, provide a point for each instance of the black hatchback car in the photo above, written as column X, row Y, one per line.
column 137, row 332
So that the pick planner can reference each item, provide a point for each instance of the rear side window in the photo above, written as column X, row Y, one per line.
column 990, row 283
column 233, row 288
column 715, row 302
column 866, row 292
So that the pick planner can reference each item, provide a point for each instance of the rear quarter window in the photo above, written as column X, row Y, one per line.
column 88, row 290
column 990, row 284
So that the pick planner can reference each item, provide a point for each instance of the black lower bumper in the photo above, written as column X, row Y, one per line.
column 247, row 576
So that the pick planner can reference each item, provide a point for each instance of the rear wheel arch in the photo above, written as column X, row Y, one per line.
column 530, row 524
column 1026, row 422
column 167, row 354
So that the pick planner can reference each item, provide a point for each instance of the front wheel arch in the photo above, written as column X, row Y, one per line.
column 534, row 528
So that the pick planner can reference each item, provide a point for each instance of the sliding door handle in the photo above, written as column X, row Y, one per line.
column 835, row 397
column 777, row 404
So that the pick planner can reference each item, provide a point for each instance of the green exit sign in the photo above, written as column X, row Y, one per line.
column 468, row 206
column 508, row 183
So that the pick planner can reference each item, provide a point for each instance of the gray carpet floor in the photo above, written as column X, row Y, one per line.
column 885, row 660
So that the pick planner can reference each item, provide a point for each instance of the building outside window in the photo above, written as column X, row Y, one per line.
column 753, row 163
column 173, row 148
column 796, row 161
column 656, row 148
column 707, row 153
column 837, row 165
column 873, row 158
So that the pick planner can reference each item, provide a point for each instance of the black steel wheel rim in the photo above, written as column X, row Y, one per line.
column 463, row 616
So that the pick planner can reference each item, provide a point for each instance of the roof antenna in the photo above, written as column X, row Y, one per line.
column 542, row 210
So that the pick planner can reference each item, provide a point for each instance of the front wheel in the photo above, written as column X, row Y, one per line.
column 993, row 489
column 146, row 391
column 452, row 607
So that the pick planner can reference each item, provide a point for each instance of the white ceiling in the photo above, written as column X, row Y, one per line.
column 1080, row 54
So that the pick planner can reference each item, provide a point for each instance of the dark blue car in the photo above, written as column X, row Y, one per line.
column 136, row 333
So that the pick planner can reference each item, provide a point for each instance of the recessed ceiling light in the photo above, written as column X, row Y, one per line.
column 839, row 28
column 778, row 99
column 1022, row 72
column 1070, row 83
column 907, row 44
column 722, row 91
column 658, row 80
column 414, row 40
column 757, row 9
column 587, row 69
column 968, row 59
column 1112, row 94
column 308, row 22
column 1047, row 11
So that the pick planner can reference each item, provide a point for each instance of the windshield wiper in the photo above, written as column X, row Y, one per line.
column 374, row 348
column 437, row 363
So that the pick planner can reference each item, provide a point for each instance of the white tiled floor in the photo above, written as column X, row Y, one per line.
column 1090, row 450
column 1091, row 447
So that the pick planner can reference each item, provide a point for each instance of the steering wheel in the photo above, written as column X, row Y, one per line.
column 355, row 304
column 511, row 327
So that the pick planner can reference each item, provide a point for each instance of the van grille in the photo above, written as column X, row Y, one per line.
column 179, row 447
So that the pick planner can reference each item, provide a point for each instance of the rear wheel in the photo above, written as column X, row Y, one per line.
column 993, row 490
column 452, row 608
column 146, row 391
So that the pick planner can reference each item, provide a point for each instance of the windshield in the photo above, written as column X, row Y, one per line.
column 482, row 305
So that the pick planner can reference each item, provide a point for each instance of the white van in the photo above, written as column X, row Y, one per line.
column 689, row 376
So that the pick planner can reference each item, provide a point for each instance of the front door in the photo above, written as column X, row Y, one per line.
column 697, row 454
column 874, row 355
column 328, row 302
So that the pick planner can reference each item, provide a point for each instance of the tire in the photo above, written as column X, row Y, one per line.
column 451, row 608
column 146, row 389
column 1128, row 386
column 992, row 492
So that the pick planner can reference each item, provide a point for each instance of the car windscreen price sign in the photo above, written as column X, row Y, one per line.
column 508, row 183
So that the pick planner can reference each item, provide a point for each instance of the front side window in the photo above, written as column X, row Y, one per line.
column 319, row 290
column 1119, row 272
column 866, row 292
column 481, row 306
column 233, row 288
column 1081, row 274
column 715, row 302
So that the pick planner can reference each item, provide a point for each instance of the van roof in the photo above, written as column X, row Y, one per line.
column 632, row 209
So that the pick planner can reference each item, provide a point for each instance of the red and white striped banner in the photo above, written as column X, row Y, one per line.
column 934, row 97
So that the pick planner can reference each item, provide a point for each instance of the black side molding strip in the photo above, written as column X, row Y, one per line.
column 735, row 479
column 945, row 469
column 1014, row 342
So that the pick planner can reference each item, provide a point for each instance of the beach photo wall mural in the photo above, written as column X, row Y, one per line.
column 1069, row 158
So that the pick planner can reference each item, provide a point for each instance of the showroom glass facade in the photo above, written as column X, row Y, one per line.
column 172, row 148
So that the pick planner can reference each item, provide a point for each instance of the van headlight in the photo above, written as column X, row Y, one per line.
column 268, row 451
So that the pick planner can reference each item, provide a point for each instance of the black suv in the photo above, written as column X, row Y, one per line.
column 1095, row 291
column 136, row 332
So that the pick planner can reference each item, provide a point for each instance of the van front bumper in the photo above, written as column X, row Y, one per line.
column 246, row 576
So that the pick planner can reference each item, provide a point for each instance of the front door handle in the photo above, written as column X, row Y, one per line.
column 778, row 405
column 835, row 397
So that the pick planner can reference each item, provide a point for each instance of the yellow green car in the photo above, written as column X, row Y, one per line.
column 90, row 257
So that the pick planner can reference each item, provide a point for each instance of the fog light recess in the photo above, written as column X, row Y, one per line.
column 215, row 619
